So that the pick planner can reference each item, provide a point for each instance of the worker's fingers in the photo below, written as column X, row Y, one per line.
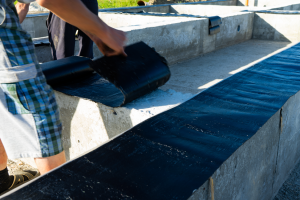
column 114, row 53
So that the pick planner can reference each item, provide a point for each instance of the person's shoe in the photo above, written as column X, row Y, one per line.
column 21, row 177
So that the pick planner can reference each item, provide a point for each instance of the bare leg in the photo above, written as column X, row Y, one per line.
column 3, row 157
column 46, row 164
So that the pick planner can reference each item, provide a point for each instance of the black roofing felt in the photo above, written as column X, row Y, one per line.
column 118, row 80
column 170, row 155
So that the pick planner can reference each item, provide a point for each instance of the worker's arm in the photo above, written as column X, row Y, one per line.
column 22, row 10
column 75, row 13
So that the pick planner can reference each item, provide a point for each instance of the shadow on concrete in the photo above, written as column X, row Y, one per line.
column 263, row 30
column 66, row 117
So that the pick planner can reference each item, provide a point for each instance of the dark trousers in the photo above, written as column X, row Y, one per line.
column 62, row 35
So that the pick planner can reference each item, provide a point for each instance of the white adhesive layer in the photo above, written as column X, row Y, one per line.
column 154, row 103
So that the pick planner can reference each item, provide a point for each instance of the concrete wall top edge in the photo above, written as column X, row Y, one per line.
column 157, row 24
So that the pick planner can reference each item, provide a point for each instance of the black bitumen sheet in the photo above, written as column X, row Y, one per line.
column 170, row 155
column 118, row 80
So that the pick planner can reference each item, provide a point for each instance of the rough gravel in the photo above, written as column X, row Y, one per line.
column 290, row 190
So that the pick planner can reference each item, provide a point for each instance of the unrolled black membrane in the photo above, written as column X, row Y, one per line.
column 170, row 155
column 113, row 81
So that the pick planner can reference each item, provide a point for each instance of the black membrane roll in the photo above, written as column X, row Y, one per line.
column 118, row 80
column 65, row 71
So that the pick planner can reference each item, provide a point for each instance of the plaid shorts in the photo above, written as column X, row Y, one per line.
column 30, row 102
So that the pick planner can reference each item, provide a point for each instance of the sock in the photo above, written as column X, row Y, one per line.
column 5, row 180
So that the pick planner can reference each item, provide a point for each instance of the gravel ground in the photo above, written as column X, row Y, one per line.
column 290, row 190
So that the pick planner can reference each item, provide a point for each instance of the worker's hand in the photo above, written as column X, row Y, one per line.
column 113, row 43
column 120, row 39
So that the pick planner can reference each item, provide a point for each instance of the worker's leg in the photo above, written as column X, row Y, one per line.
column 5, row 180
column 85, row 43
column 3, row 157
column 30, row 122
column 46, row 164
column 61, row 37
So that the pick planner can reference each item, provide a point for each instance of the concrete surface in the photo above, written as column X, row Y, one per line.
column 290, row 190
column 278, row 27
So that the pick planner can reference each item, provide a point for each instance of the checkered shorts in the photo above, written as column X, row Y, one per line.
column 29, row 102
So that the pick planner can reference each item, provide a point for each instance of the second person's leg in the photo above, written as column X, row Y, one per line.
column 85, row 43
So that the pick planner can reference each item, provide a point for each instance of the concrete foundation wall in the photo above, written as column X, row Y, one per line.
column 179, row 39
column 175, row 41
column 188, row 38
column 278, row 27
column 261, row 165
column 35, row 25
column 205, row 10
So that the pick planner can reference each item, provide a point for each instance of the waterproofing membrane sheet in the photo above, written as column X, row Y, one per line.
column 116, row 80
column 170, row 155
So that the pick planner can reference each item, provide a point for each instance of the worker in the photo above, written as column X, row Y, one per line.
column 29, row 116
column 62, row 35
